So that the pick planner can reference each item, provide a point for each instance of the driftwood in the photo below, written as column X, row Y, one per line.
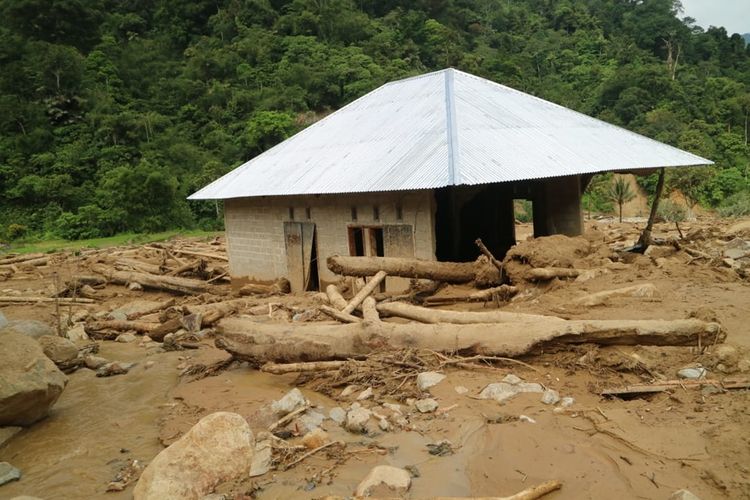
column 138, row 265
column 549, row 273
column 40, row 261
column 207, row 255
column 260, row 343
column 645, row 290
column 24, row 299
column 211, row 313
column 280, row 286
column 502, row 291
column 184, row 286
column 665, row 385
column 370, row 311
column 21, row 258
column 486, row 252
column 120, row 326
column 314, row 366
column 341, row 316
column 158, row 307
column 448, row 272
column 364, row 292
column 335, row 298
column 426, row 315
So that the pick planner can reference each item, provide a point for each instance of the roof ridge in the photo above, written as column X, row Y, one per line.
column 450, row 126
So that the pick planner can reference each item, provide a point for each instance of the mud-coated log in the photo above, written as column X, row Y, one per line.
column 335, row 298
column 370, row 311
column 364, row 292
column 336, row 314
column 549, row 273
column 448, row 272
column 21, row 258
column 40, row 261
column 184, row 286
column 211, row 313
column 125, row 264
column 23, row 299
column 259, row 343
column 121, row 326
column 427, row 315
column 502, row 292
column 156, row 308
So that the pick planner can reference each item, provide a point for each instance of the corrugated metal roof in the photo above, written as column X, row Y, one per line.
column 441, row 129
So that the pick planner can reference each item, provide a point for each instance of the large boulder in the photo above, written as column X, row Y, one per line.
column 218, row 448
column 29, row 382
column 29, row 327
column 59, row 349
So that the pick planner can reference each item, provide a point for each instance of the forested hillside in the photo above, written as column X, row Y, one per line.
column 112, row 112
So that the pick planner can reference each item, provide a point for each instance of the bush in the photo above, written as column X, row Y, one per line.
column 90, row 221
column 737, row 205
column 16, row 231
column 670, row 211
column 523, row 210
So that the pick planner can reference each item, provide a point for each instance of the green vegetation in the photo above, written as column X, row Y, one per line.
column 111, row 113
column 620, row 193
column 30, row 246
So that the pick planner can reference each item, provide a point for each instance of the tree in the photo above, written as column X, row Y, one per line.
column 620, row 192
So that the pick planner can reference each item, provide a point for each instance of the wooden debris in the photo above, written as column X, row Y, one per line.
column 336, row 314
column 364, row 292
column 550, row 273
column 486, row 252
column 370, row 311
column 665, row 385
column 426, row 315
column 645, row 290
column 335, row 298
column 502, row 292
column 120, row 326
column 278, row 287
column 20, row 258
column 313, row 366
column 25, row 299
column 138, row 265
column 174, row 284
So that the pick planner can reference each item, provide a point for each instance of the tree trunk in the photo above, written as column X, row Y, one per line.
column 184, row 286
column 335, row 298
column 620, row 204
column 259, row 343
column 549, row 273
column 364, row 292
column 448, row 272
column 425, row 315
column 645, row 239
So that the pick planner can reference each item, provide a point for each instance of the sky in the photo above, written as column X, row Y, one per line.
column 734, row 15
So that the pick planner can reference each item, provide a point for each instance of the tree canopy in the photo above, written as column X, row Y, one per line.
column 112, row 112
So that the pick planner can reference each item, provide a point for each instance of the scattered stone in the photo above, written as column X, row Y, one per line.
column 425, row 380
column 29, row 327
column 59, row 349
column 94, row 362
column 683, row 495
column 460, row 389
column 512, row 379
column 384, row 425
column 30, row 383
column 737, row 249
column 126, row 338
column 8, row 473
column 310, row 421
column 499, row 392
column 550, row 397
column 315, row 439
column 366, row 394
column 7, row 433
column 134, row 286
column 262, row 458
column 524, row 418
column 726, row 354
column 77, row 333
column 348, row 391
column 148, row 364
column 395, row 408
column 291, row 401
column 114, row 368
column 530, row 387
column 337, row 414
column 567, row 402
column 441, row 448
column 357, row 418
column 707, row 390
column 426, row 405
column 692, row 373
column 743, row 365
column 384, row 480
column 218, row 448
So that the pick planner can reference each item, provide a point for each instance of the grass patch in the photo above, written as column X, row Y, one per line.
column 112, row 241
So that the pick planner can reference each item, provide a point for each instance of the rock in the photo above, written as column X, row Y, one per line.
column 366, row 394
column 441, row 448
column 3, row 320
column 136, row 287
column 395, row 408
column 59, row 349
column 737, row 249
column 310, row 421
column 384, row 480
column 114, row 368
column 94, row 362
column 77, row 333
column 550, row 397
column 425, row 380
column 525, row 418
column 291, row 401
column 743, row 365
column 384, row 425
column 500, row 392
column 337, row 414
column 692, row 373
column 29, row 382
column 29, row 327
column 726, row 354
column 148, row 364
column 683, row 495
column 356, row 419
column 7, row 433
column 8, row 473
column 530, row 387
column 126, row 338
column 262, row 458
column 315, row 439
column 512, row 379
column 460, row 389
column 426, row 405
column 218, row 448
column 348, row 391
column 567, row 402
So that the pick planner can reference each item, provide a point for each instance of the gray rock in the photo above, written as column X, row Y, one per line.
column 692, row 373
column 8, row 473
column 3, row 320
column 550, row 397
column 499, row 391
column 530, row 387
column 743, row 365
column 114, row 368
column 726, row 354
column 94, row 362
column 512, row 379
column 262, row 458
column 425, row 380
column 291, row 401
column 136, row 287
column 337, row 414
column 384, row 425
column 7, row 433
column 683, row 495
column 29, row 382
column 29, row 327
column 427, row 405
column 366, row 394
column 567, row 402
column 77, row 333
column 348, row 391
column 126, row 338
column 357, row 418
column 460, row 389
column 59, row 349
column 310, row 421
column 384, row 480
column 394, row 407
column 737, row 249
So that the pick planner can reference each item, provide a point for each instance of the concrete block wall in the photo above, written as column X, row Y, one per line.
column 255, row 227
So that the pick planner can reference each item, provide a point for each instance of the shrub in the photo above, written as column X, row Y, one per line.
column 670, row 211
column 16, row 231
column 737, row 205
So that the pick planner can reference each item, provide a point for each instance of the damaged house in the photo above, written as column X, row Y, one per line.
column 420, row 167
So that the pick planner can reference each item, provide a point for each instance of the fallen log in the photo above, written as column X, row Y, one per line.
column 315, row 366
column 448, row 272
column 174, row 284
column 335, row 298
column 503, row 292
column 211, row 313
column 41, row 261
column 162, row 329
column 427, row 315
column 120, row 326
column 156, row 308
column 665, row 385
column 138, row 265
column 370, row 311
column 341, row 316
column 25, row 299
column 645, row 290
column 280, row 286
column 207, row 255
column 21, row 258
column 259, row 343
column 549, row 273
column 364, row 292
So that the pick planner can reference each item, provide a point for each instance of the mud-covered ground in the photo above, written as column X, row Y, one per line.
column 645, row 447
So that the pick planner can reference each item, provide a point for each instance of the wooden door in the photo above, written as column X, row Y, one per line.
column 299, row 241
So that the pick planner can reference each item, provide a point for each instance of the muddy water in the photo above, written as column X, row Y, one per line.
column 96, row 425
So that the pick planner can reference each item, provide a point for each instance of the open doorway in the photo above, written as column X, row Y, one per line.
column 524, row 219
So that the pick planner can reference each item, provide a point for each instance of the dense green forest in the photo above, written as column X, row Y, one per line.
column 112, row 112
